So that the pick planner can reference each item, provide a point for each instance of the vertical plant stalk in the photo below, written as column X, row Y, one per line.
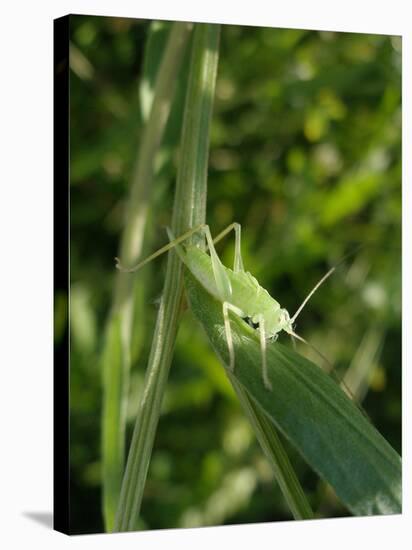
column 189, row 210
column 116, row 354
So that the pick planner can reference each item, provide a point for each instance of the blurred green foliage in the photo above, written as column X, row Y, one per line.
column 305, row 154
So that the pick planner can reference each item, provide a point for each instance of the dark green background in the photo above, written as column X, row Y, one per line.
column 305, row 154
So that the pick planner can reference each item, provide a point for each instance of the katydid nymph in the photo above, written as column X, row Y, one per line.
column 237, row 290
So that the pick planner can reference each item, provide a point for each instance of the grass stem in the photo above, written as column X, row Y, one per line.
column 189, row 210
column 116, row 357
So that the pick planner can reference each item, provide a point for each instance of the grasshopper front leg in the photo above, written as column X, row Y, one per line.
column 267, row 383
column 227, row 306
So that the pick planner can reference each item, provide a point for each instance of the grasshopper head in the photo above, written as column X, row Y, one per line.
column 285, row 322
column 276, row 320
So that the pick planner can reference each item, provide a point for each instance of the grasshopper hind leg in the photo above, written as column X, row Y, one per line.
column 238, row 262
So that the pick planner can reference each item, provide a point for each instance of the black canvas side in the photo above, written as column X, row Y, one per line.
column 61, row 494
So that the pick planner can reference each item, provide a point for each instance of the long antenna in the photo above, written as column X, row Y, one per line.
column 294, row 335
column 331, row 372
column 326, row 276
column 312, row 292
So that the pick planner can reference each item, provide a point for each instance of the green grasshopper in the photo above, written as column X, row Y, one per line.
column 237, row 290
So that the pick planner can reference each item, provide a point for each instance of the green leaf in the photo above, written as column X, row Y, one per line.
column 272, row 446
column 113, row 425
column 311, row 410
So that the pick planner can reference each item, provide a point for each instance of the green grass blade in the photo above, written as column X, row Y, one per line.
column 189, row 210
column 116, row 357
column 272, row 447
column 326, row 427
